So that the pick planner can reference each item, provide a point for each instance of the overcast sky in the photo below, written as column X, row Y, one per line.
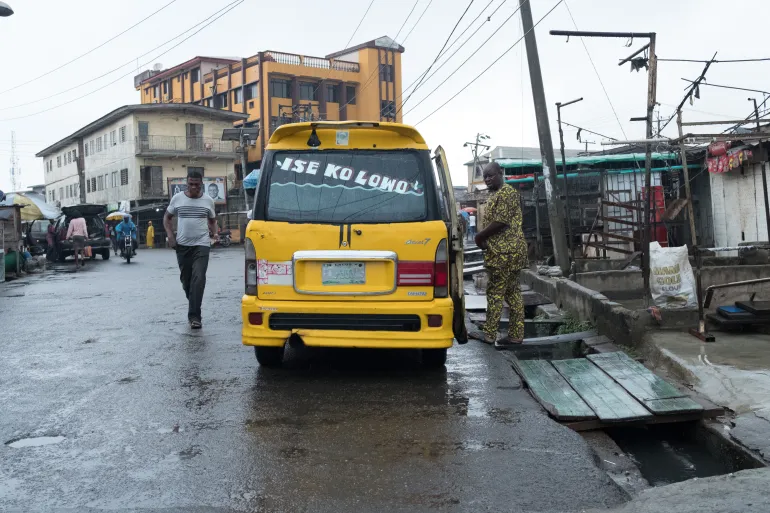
column 44, row 34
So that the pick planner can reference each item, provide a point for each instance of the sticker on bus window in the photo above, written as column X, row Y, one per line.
column 343, row 137
column 318, row 175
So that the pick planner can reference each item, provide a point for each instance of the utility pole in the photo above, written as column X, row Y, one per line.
column 683, row 151
column 15, row 170
column 650, row 62
column 558, row 239
column 764, row 173
column 475, row 151
column 587, row 143
column 559, row 105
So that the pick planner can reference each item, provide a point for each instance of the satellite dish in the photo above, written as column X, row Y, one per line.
column 157, row 66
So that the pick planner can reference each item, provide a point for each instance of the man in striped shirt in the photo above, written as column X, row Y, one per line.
column 196, row 224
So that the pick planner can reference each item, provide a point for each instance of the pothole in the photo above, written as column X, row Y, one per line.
column 35, row 441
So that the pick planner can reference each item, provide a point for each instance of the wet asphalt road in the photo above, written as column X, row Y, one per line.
column 161, row 419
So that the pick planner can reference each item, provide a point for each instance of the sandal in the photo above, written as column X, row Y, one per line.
column 479, row 335
column 507, row 343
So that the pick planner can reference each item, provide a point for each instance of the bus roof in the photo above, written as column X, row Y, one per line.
column 347, row 135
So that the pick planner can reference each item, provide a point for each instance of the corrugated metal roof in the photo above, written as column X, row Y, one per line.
column 598, row 159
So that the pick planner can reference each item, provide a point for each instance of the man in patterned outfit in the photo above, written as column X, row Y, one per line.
column 505, row 255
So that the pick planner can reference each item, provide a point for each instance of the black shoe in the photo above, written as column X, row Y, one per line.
column 196, row 324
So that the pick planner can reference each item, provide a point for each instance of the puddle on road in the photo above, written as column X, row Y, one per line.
column 34, row 441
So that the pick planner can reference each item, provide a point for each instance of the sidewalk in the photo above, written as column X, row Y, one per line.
column 733, row 372
column 742, row 492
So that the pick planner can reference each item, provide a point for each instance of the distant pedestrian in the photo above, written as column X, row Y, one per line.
column 50, row 239
column 505, row 255
column 196, row 225
column 472, row 226
column 77, row 232
column 150, row 235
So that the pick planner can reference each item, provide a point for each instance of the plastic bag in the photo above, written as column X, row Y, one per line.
column 672, row 282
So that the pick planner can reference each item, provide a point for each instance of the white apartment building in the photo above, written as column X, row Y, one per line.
column 130, row 153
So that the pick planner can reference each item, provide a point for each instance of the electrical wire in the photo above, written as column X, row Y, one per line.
column 488, row 67
column 376, row 70
column 451, row 45
column 89, row 51
column 438, row 55
column 127, row 63
column 232, row 6
column 347, row 45
column 416, row 23
column 589, row 131
column 720, row 61
column 465, row 61
column 609, row 100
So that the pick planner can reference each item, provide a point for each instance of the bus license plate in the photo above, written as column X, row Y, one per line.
column 348, row 273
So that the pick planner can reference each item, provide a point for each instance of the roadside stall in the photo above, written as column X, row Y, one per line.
column 12, row 240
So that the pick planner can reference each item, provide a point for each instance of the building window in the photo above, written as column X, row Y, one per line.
column 251, row 91
column 308, row 91
column 113, row 138
column 165, row 87
column 196, row 75
column 100, row 183
column 386, row 72
column 220, row 101
column 93, row 184
column 351, row 94
column 86, row 148
column 98, row 144
column 106, row 144
column 91, row 144
column 124, row 177
column 238, row 94
column 114, row 179
column 333, row 93
column 58, row 161
column 61, row 192
column 88, row 185
column 388, row 109
column 122, row 134
column 155, row 92
column 280, row 88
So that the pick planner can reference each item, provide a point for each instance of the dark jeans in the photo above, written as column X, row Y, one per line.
column 193, row 262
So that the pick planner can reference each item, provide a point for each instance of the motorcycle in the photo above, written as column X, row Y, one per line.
column 127, row 251
column 223, row 239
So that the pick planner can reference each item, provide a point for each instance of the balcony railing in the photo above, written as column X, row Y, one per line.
column 167, row 144
column 311, row 62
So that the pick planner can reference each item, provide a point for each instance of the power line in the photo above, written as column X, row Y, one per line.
column 693, row 88
column 453, row 43
column 232, row 6
column 490, row 66
column 347, row 45
column 606, row 94
column 59, row 93
column 721, row 61
column 465, row 61
column 589, row 131
column 438, row 55
column 89, row 51
column 376, row 70
column 729, row 87
column 416, row 23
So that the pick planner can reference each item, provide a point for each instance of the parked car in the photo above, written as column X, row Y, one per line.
column 35, row 234
column 97, row 239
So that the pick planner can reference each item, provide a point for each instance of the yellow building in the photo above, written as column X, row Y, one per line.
column 273, row 88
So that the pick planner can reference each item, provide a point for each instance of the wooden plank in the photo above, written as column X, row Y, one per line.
column 618, row 220
column 552, row 391
column 621, row 237
column 622, row 205
column 657, row 395
column 605, row 397
column 608, row 248
column 634, row 377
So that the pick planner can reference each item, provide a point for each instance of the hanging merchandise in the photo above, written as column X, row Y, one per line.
column 724, row 159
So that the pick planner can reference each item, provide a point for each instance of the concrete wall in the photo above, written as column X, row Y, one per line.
column 630, row 282
column 108, row 163
column 62, row 178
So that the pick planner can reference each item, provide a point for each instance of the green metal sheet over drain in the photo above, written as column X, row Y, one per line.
column 606, row 398
column 657, row 395
column 552, row 391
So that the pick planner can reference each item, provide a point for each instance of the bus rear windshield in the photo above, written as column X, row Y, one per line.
column 347, row 187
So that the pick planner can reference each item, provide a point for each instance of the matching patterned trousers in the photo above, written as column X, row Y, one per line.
column 504, row 286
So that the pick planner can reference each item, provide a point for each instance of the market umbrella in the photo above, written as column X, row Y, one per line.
column 471, row 210
column 117, row 216
column 35, row 207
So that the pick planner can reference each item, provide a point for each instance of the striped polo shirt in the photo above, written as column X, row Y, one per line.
column 192, row 218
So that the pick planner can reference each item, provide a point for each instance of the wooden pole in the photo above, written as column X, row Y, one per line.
column 690, row 208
